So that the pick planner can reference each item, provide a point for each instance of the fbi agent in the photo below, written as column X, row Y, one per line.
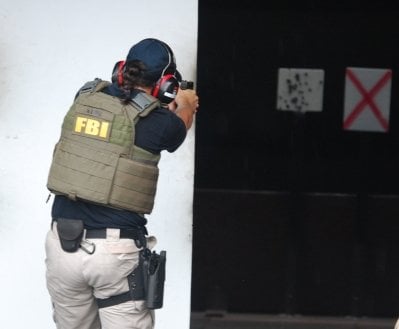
column 104, row 175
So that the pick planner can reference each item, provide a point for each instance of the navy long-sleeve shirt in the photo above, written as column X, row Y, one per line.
column 160, row 130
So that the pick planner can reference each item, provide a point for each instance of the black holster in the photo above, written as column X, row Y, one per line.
column 154, row 276
column 146, row 282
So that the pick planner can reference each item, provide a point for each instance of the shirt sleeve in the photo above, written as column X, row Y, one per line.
column 175, row 134
column 160, row 130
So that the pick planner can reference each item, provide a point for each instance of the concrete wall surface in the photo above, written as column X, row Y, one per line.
column 48, row 49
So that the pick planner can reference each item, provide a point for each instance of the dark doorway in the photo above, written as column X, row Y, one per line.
column 293, row 214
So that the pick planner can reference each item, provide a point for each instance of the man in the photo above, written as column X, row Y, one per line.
column 104, row 174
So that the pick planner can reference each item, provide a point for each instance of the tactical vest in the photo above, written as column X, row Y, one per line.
column 95, row 158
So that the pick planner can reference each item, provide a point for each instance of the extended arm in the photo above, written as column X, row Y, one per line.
column 185, row 105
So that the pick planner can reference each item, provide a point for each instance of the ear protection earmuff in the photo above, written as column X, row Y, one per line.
column 166, row 87
column 117, row 73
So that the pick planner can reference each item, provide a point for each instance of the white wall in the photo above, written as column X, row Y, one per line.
column 48, row 49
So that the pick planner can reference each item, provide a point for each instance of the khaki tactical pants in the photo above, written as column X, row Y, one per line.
column 75, row 279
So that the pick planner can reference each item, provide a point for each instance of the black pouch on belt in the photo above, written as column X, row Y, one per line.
column 70, row 232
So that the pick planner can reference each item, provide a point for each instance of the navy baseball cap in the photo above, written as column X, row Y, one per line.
column 157, row 56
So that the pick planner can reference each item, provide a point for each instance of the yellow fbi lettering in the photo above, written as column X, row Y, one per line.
column 92, row 127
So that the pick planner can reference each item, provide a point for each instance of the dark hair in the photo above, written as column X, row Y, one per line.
column 134, row 75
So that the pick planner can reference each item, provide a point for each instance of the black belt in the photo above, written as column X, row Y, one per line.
column 136, row 234
column 123, row 234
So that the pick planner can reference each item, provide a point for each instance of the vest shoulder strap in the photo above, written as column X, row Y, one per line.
column 144, row 103
column 93, row 86
column 141, row 105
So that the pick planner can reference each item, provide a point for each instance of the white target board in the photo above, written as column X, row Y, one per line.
column 300, row 90
column 367, row 99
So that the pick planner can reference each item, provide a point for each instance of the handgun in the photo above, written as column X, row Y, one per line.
column 185, row 84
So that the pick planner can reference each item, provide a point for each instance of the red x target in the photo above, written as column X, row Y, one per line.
column 367, row 99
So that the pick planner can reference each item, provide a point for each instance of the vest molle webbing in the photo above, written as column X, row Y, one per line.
column 96, row 159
